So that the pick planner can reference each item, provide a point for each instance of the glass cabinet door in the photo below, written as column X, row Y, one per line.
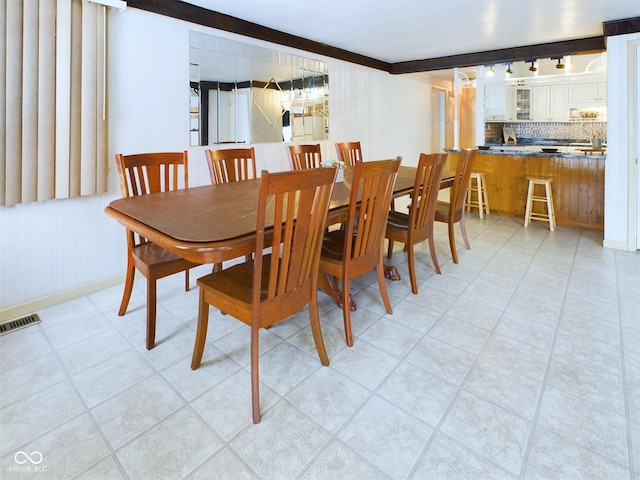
column 523, row 104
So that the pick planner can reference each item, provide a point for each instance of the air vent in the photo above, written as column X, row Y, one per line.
column 19, row 323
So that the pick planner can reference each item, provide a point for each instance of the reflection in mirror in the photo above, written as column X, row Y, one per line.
column 242, row 93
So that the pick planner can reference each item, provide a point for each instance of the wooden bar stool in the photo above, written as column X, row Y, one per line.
column 546, row 199
column 480, row 188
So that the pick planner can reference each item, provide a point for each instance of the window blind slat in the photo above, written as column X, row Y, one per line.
column 53, row 134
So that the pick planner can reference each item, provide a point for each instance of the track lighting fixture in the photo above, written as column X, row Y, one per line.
column 533, row 68
column 560, row 65
column 491, row 72
column 508, row 71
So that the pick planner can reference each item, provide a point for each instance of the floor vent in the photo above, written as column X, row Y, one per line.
column 19, row 323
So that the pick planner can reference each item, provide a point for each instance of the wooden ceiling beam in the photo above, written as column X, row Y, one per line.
column 208, row 18
column 504, row 55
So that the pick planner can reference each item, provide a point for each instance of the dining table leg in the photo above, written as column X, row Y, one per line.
column 391, row 273
column 329, row 285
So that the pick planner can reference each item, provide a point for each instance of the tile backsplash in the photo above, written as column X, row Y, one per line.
column 568, row 131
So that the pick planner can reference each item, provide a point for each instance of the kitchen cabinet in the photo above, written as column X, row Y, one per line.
column 495, row 102
column 522, row 104
column 550, row 103
column 588, row 94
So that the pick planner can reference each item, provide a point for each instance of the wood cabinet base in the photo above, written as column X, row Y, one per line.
column 578, row 185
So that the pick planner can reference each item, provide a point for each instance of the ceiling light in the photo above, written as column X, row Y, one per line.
column 533, row 68
column 508, row 71
column 559, row 65
column 490, row 73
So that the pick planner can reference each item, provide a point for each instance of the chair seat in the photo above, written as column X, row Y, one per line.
column 235, row 282
column 398, row 220
column 442, row 213
column 333, row 246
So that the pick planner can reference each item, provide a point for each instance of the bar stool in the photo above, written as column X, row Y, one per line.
column 546, row 199
column 480, row 187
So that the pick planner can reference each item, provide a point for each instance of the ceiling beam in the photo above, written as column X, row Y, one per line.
column 504, row 55
column 209, row 18
column 621, row 27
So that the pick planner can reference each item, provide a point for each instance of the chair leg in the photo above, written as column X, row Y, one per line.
column 255, row 365
column 316, row 330
column 383, row 286
column 201, row 332
column 452, row 243
column 434, row 257
column 346, row 310
column 463, row 231
column 151, row 312
column 186, row 280
column 390, row 249
column 128, row 288
column 412, row 269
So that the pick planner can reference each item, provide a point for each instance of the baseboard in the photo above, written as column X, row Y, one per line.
column 32, row 306
column 617, row 245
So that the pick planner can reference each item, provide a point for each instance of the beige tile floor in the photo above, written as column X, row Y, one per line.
column 522, row 361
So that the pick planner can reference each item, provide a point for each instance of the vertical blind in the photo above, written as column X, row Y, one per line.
column 53, row 131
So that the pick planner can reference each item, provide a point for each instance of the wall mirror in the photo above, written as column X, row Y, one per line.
column 243, row 93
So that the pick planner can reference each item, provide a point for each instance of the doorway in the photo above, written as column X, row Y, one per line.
column 438, row 119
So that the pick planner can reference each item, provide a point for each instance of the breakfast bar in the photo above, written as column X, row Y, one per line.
column 578, row 183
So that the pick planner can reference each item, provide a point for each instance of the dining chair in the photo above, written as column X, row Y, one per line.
column 357, row 248
column 417, row 226
column 141, row 174
column 305, row 156
column 452, row 212
column 292, row 211
column 349, row 153
column 231, row 164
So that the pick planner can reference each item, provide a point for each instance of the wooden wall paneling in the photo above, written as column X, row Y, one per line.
column 577, row 187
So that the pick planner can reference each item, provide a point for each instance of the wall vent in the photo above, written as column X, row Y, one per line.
column 19, row 323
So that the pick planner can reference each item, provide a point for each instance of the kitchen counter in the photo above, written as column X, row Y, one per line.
column 564, row 151
column 578, row 183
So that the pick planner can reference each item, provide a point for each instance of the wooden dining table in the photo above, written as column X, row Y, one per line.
column 216, row 223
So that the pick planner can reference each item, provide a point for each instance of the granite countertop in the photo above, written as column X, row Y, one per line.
column 536, row 151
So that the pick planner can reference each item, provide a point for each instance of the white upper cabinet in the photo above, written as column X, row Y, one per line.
column 550, row 103
column 591, row 94
column 495, row 102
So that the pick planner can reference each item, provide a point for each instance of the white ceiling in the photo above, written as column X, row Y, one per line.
column 403, row 30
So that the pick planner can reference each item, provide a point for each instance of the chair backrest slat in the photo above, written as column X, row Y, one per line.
column 461, row 179
column 296, row 203
column 145, row 173
column 231, row 164
column 305, row 156
column 349, row 152
column 371, row 194
column 425, row 191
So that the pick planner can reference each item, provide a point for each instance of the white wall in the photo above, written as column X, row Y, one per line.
column 52, row 251
column 621, row 178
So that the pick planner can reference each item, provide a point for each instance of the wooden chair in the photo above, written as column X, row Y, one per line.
column 417, row 225
column 305, row 156
column 272, row 287
column 141, row 174
column 452, row 212
column 231, row 165
column 349, row 152
column 354, row 250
